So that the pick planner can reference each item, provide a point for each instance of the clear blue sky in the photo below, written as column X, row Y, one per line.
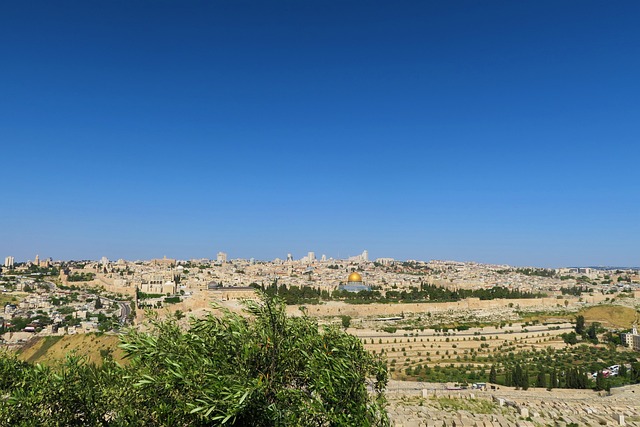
column 501, row 132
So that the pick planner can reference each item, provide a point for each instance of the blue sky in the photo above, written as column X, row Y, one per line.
column 501, row 132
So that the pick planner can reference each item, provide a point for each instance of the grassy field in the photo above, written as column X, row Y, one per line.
column 611, row 315
column 49, row 350
column 9, row 298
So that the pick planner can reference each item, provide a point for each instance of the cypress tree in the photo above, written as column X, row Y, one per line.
column 493, row 375
column 517, row 376
column 580, row 325
column 599, row 381
column 622, row 372
column 508, row 378
column 541, row 381
column 524, row 381
column 553, row 380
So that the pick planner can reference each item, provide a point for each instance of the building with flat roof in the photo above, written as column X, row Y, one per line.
column 9, row 261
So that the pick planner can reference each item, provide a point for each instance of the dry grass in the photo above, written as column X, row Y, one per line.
column 50, row 350
column 10, row 298
column 611, row 315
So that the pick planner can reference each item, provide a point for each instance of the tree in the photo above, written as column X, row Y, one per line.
column 622, row 372
column 634, row 376
column 541, row 380
column 524, row 380
column 346, row 321
column 493, row 376
column 98, row 304
column 579, row 324
column 569, row 338
column 517, row 376
column 271, row 370
column 508, row 378
column 600, row 385
column 592, row 332
column 553, row 380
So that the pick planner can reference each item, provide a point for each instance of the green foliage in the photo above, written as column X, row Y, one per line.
column 142, row 295
column 570, row 338
column 41, row 271
column 553, row 379
column 493, row 376
column 346, row 321
column 600, row 382
column 270, row 370
column 81, row 277
column 541, row 380
column 541, row 272
column 19, row 323
column 580, row 324
column 273, row 370
column 592, row 332
column 426, row 292
column 575, row 290
column 635, row 373
column 74, row 394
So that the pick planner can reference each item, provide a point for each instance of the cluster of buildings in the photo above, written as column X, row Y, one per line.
column 54, row 311
column 9, row 262
column 170, row 276
column 631, row 339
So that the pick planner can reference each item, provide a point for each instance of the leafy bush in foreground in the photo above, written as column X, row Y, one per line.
column 270, row 370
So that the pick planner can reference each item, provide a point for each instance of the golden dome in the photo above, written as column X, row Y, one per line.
column 354, row 277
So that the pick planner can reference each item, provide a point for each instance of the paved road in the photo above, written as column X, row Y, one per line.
column 125, row 311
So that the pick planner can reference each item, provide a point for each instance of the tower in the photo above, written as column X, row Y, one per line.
column 8, row 262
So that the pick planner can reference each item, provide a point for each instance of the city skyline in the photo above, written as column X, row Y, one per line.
column 503, row 133
column 223, row 257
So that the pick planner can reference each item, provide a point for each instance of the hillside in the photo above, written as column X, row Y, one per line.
column 615, row 316
column 48, row 350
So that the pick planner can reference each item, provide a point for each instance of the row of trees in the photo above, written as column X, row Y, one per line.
column 270, row 370
column 590, row 333
column 426, row 292
column 572, row 377
column 81, row 277
column 575, row 290
column 519, row 377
